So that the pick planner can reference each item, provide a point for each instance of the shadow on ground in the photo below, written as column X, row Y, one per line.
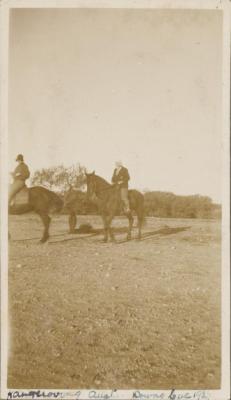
column 170, row 231
column 163, row 231
column 117, row 230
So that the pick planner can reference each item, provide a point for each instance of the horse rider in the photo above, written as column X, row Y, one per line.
column 20, row 175
column 120, row 178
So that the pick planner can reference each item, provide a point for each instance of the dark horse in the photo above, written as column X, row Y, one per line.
column 41, row 201
column 107, row 198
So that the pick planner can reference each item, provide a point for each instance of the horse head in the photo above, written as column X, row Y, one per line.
column 95, row 185
column 91, row 184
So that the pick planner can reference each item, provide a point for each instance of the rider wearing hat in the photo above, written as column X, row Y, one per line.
column 20, row 174
column 121, row 177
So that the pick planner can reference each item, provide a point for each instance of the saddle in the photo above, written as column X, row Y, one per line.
column 22, row 197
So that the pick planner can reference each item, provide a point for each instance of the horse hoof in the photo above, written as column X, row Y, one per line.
column 129, row 237
column 44, row 240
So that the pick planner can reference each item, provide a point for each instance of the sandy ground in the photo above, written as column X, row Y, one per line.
column 84, row 314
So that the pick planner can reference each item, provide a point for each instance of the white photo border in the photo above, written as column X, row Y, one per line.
column 224, row 392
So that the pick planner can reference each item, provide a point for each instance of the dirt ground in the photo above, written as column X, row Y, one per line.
column 142, row 315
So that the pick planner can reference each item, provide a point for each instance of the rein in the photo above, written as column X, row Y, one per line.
column 113, row 186
column 110, row 187
column 106, row 189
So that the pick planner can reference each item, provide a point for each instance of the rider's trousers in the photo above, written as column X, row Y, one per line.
column 15, row 187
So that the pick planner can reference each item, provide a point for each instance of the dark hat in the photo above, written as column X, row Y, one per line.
column 19, row 157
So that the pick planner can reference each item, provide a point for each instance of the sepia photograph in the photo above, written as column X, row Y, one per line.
column 115, row 200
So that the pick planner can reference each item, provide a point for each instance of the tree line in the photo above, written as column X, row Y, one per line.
column 157, row 203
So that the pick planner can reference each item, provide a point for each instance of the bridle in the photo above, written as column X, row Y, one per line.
column 96, row 192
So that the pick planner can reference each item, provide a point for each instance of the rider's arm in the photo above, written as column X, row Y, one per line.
column 22, row 171
column 15, row 173
column 125, row 177
column 113, row 179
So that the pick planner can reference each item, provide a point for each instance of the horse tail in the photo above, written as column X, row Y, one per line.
column 142, row 216
column 141, row 211
column 143, row 219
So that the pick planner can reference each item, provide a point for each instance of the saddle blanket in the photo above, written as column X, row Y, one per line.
column 21, row 197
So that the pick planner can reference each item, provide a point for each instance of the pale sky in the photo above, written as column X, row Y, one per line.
column 99, row 85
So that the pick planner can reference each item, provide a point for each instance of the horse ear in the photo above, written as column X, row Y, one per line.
column 93, row 173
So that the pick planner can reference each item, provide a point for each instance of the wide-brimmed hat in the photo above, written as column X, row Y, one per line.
column 19, row 157
column 119, row 162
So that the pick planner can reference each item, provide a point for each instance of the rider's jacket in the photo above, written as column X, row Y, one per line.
column 121, row 177
column 21, row 172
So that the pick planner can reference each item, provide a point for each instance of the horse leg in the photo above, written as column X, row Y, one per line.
column 130, row 220
column 105, row 239
column 140, row 218
column 110, row 229
column 72, row 222
column 46, row 222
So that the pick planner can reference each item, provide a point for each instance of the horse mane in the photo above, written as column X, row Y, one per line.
column 102, row 181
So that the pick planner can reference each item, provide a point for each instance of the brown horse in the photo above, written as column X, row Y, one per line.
column 41, row 201
column 108, row 199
